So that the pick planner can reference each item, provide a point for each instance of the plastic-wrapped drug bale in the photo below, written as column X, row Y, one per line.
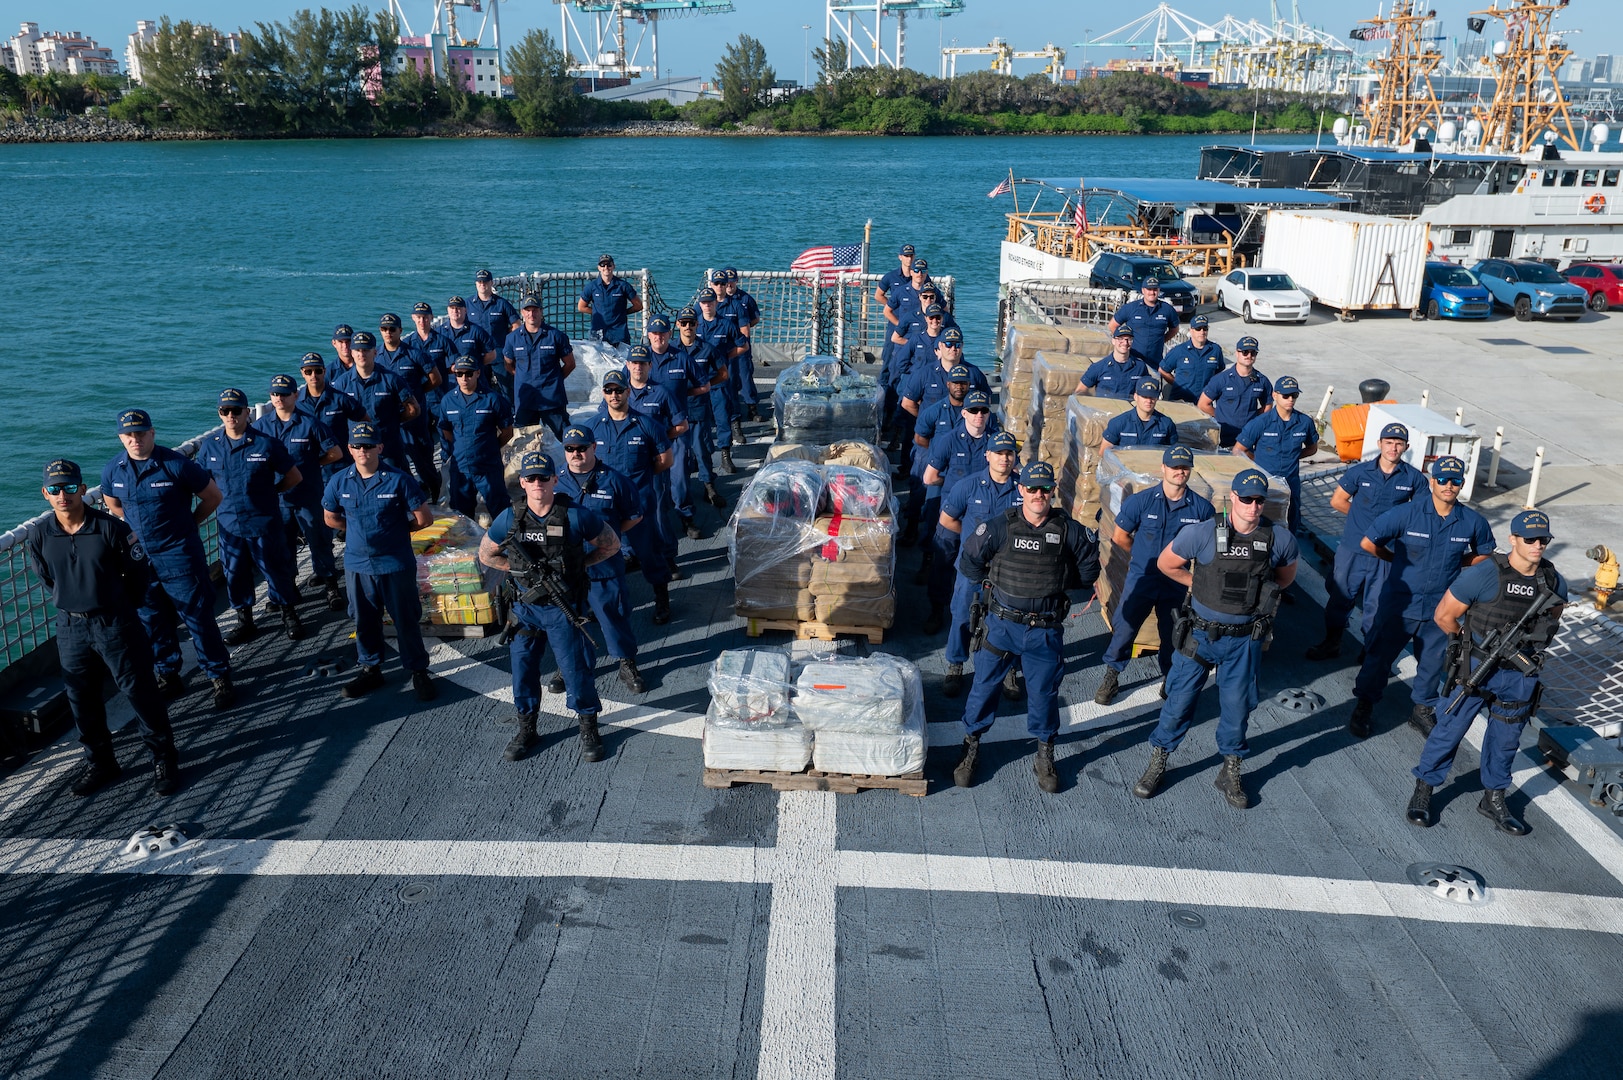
column 821, row 400
column 1053, row 379
column 593, row 359
column 1214, row 475
column 1021, row 346
column 771, row 537
column 849, row 491
column 773, row 749
column 1123, row 472
column 864, row 455
column 782, row 605
column 1076, row 487
column 1196, row 430
column 1093, row 341
column 850, row 695
column 525, row 439
column 892, row 751
column 750, row 688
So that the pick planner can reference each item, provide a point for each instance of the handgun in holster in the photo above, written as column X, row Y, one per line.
column 1262, row 625
column 977, row 618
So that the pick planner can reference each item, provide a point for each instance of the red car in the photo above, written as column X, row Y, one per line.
column 1602, row 281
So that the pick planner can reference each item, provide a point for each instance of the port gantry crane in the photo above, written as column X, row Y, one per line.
column 849, row 21
column 601, row 50
column 1003, row 58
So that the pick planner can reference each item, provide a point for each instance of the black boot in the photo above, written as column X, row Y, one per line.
column 690, row 529
column 1150, row 782
column 909, row 536
column 1329, row 648
column 1229, row 782
column 1359, row 723
column 1014, row 685
column 171, row 684
column 1419, row 811
column 524, row 741
column 422, row 683
column 556, row 686
column 366, row 680
column 165, row 774
column 335, row 595
column 1494, row 809
column 727, row 466
column 245, row 630
column 291, row 624
column 1043, row 766
column 100, row 769
column 964, row 774
column 225, row 694
column 591, row 743
column 952, row 684
column 1423, row 718
column 1108, row 685
column 922, row 574
column 752, row 414
column 934, row 620
column 714, row 497
column 738, row 433
column 632, row 677
column 662, row 604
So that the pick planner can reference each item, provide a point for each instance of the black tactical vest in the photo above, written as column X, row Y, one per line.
column 1511, row 601
column 1232, row 582
column 1033, row 564
column 553, row 544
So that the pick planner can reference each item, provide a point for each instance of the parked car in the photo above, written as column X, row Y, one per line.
column 1528, row 287
column 1450, row 291
column 1260, row 293
column 1129, row 271
column 1602, row 281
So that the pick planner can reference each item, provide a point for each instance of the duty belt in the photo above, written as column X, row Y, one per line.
column 1223, row 629
column 1035, row 619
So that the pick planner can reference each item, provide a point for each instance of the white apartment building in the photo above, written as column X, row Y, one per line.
column 145, row 31
column 30, row 52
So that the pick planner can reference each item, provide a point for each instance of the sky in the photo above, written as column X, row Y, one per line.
column 691, row 45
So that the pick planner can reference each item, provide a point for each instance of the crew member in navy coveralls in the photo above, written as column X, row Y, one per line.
column 384, row 395
column 380, row 506
column 1238, row 395
column 1153, row 321
column 744, row 313
column 470, row 339
column 477, row 424
column 1031, row 558
column 490, row 312
column 1427, row 541
column 927, row 384
column 933, row 421
column 725, row 315
column 966, row 504
column 634, row 444
column 1493, row 595
column 96, row 574
column 395, row 356
column 540, row 358
column 251, row 469
column 312, row 446
column 553, row 529
column 672, row 371
column 1235, row 557
column 1117, row 375
column 1148, row 521
column 609, row 299
column 340, row 345
column 1278, row 440
column 902, row 301
column 432, row 352
column 954, row 454
column 1188, row 367
column 655, row 402
column 592, row 485
column 152, row 487
column 1365, row 492
column 881, row 293
column 1142, row 427
column 722, row 336
column 705, row 408
column 333, row 408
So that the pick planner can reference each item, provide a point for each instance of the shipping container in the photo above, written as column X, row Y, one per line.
column 1349, row 262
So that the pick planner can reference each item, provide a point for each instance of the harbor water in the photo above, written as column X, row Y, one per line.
column 155, row 274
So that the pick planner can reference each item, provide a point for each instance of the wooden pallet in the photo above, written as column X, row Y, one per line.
column 815, row 630
column 817, row 780
column 450, row 630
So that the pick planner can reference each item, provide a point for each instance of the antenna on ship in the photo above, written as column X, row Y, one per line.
column 1527, row 99
column 1404, row 101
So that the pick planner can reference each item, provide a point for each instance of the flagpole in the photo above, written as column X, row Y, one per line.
column 867, row 237
column 1015, row 195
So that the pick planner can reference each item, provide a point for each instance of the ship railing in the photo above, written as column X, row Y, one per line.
column 1056, row 303
column 1054, row 233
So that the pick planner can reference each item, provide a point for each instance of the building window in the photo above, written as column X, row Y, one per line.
column 1590, row 176
column 1569, row 177
column 1459, row 237
column 1609, row 178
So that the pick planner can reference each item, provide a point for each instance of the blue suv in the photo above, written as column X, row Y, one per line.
column 1450, row 291
column 1529, row 287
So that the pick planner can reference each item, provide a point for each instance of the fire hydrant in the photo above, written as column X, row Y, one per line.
column 1605, row 575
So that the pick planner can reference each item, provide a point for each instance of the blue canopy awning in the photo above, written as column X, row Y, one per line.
column 1170, row 192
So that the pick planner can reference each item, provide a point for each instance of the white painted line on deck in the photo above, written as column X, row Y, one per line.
column 797, row 999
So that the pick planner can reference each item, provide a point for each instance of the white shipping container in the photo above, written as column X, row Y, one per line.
column 1351, row 262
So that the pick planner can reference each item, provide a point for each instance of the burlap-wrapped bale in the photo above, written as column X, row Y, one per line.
column 790, row 606
column 1090, row 341
column 857, row 610
column 1214, row 477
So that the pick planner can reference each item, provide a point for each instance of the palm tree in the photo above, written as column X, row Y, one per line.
column 33, row 93
column 97, row 88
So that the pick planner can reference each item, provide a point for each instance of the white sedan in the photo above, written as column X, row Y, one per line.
column 1269, row 295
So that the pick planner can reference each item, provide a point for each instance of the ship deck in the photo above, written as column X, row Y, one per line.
column 367, row 890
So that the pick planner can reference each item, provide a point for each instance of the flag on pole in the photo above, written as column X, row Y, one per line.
column 823, row 264
column 1079, row 216
column 1003, row 188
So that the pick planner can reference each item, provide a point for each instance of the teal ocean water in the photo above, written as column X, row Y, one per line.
column 154, row 274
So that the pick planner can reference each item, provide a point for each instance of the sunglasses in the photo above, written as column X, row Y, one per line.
column 63, row 489
column 281, row 393
column 1293, row 397
column 614, row 390
column 232, row 410
column 1252, row 500
column 979, row 412
column 1449, row 482
column 576, row 449
column 534, row 479
column 1246, row 352
column 363, row 446
column 951, row 345
column 1036, row 490
column 467, row 374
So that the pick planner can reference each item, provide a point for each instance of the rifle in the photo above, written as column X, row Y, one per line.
column 1503, row 646
column 535, row 584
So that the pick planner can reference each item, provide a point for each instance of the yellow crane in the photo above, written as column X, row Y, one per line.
column 1003, row 57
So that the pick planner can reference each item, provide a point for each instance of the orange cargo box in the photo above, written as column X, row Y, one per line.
column 1348, row 422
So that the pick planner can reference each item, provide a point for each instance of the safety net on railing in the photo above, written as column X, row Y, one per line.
column 560, row 292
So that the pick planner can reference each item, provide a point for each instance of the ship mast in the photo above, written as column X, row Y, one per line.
column 1405, row 99
column 1527, row 99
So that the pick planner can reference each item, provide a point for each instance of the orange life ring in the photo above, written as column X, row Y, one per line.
column 1595, row 204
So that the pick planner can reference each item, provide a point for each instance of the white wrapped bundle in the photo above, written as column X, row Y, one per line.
column 778, row 749
column 895, row 752
column 750, row 687
column 593, row 359
column 850, row 695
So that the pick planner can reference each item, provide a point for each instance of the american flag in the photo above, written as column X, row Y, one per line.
column 1003, row 188
column 823, row 264
column 1079, row 216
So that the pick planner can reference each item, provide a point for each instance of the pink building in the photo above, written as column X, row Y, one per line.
column 475, row 68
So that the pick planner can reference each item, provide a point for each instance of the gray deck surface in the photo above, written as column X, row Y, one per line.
column 370, row 891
